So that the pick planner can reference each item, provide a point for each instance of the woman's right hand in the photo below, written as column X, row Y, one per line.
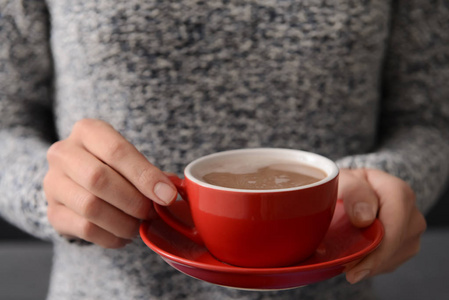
column 99, row 186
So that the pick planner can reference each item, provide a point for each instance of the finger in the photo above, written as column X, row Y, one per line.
column 101, row 180
column 393, row 213
column 409, row 249
column 377, row 263
column 108, row 145
column 68, row 223
column 411, row 244
column 94, row 209
column 372, row 264
column 361, row 203
column 396, row 203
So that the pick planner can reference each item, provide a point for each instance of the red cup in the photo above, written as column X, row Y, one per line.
column 257, row 228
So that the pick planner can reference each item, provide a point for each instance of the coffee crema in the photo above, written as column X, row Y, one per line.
column 269, row 177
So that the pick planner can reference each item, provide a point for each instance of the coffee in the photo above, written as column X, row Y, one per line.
column 263, row 176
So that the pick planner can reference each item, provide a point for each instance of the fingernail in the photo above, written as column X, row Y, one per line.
column 359, row 276
column 164, row 192
column 363, row 212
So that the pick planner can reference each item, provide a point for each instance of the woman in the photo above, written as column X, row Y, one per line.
column 113, row 94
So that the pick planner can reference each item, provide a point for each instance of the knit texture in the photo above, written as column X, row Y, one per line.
column 362, row 82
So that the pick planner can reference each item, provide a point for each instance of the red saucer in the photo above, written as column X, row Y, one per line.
column 342, row 245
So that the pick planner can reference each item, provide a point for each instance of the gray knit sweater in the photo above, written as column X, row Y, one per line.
column 362, row 82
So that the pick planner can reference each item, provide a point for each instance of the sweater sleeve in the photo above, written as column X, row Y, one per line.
column 414, row 114
column 26, row 122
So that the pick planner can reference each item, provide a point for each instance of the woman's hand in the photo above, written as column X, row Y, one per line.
column 369, row 193
column 99, row 186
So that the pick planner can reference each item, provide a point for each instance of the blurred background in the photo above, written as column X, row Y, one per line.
column 26, row 262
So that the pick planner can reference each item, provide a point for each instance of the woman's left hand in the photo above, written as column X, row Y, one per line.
column 370, row 193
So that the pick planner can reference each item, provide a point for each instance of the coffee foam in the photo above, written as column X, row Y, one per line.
column 243, row 164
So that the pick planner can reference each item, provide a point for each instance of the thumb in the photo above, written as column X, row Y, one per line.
column 360, row 201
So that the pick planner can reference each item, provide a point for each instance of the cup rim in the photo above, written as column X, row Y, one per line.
column 334, row 170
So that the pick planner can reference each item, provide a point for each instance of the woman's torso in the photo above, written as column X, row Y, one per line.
column 181, row 79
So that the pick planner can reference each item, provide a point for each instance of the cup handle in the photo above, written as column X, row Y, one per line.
column 189, row 231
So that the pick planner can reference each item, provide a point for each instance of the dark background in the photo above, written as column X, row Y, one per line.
column 437, row 217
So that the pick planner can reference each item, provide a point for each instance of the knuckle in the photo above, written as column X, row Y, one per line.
column 54, row 218
column 87, row 123
column 83, row 124
column 87, row 230
column 114, row 243
column 96, row 178
column 48, row 185
column 139, row 207
column 129, row 231
column 117, row 150
column 422, row 224
column 79, row 127
column 148, row 175
column 54, row 151
column 361, row 173
column 412, row 250
column 134, row 228
column 408, row 191
column 90, row 206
